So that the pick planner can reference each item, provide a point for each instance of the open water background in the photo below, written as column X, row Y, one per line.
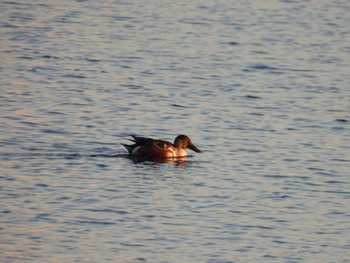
column 262, row 87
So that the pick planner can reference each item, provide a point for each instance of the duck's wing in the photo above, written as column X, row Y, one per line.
column 162, row 145
column 141, row 140
column 151, row 143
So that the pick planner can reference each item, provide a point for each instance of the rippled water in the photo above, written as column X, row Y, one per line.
column 262, row 87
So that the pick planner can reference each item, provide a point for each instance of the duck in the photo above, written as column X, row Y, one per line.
column 151, row 148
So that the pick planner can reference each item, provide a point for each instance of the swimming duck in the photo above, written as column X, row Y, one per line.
column 147, row 147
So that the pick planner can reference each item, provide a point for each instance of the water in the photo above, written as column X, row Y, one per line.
column 262, row 87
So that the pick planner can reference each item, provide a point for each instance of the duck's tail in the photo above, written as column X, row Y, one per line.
column 128, row 147
column 138, row 141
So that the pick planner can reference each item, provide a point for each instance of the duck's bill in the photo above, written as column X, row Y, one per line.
column 194, row 148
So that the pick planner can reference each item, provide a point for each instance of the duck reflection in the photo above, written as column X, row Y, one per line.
column 178, row 161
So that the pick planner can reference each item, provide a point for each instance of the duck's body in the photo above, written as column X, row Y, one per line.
column 147, row 147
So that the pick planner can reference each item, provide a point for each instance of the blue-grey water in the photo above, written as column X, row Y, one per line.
column 262, row 87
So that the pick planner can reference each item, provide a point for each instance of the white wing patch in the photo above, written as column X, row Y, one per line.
column 135, row 151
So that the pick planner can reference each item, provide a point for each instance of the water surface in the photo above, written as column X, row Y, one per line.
column 262, row 87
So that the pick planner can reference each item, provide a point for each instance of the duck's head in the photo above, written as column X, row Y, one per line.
column 184, row 141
